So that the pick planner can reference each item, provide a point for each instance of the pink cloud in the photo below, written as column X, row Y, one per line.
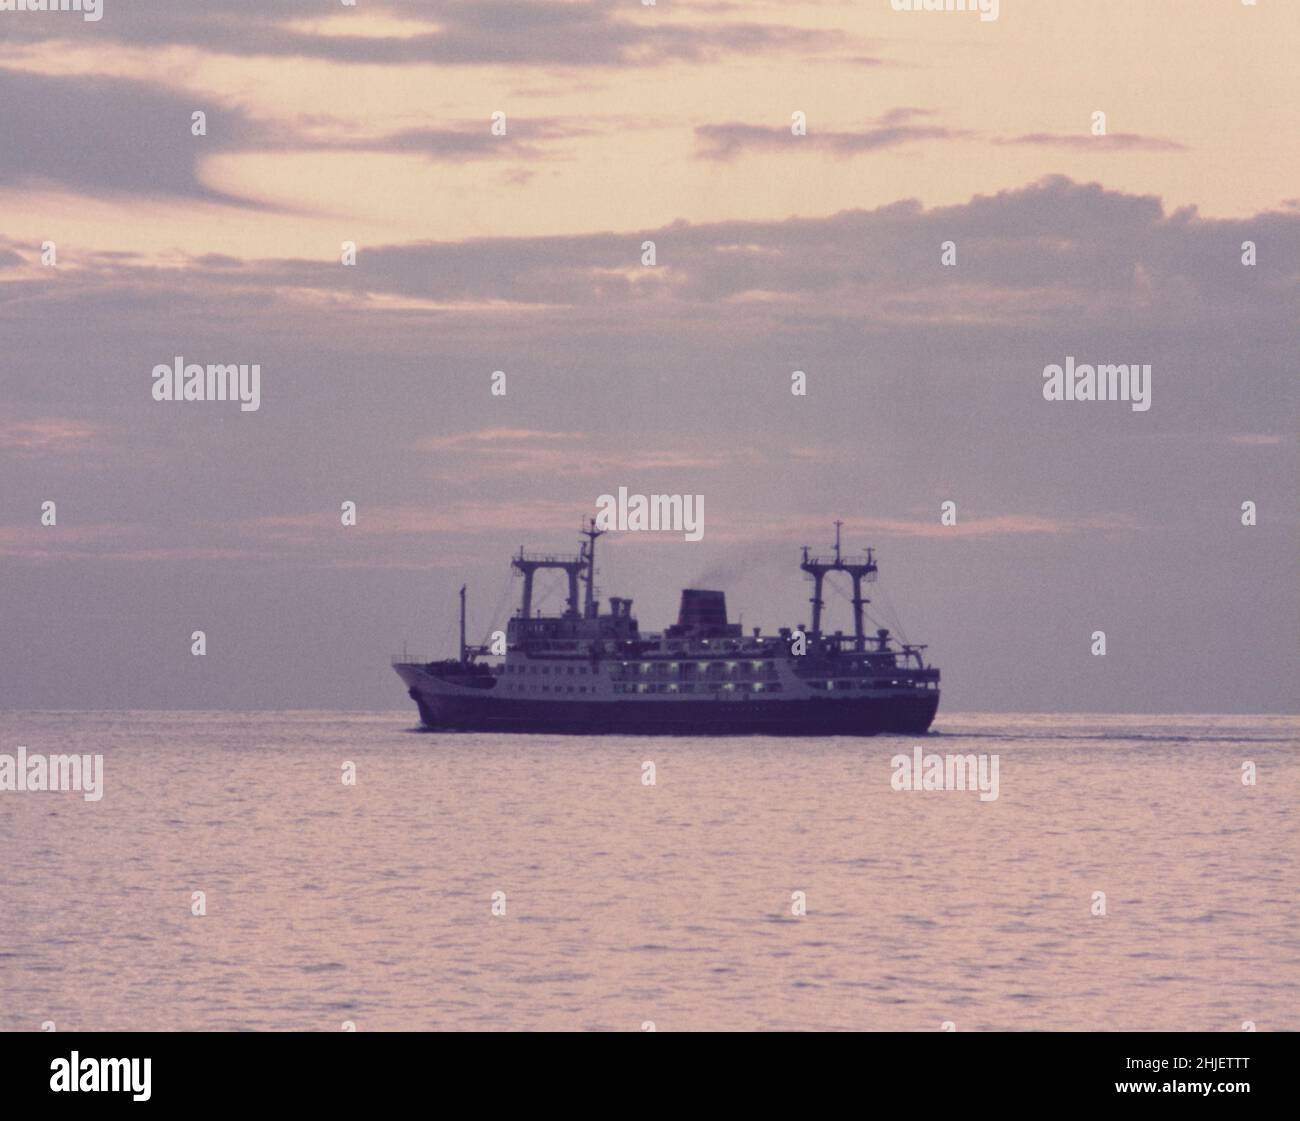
column 47, row 435
column 510, row 451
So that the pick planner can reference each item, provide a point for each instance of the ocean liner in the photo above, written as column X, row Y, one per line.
column 587, row 672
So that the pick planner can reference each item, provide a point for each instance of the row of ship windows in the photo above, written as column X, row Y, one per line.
column 695, row 671
column 570, row 670
column 718, row 675
column 688, row 671
column 714, row 670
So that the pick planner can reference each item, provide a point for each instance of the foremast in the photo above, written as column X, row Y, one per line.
column 861, row 568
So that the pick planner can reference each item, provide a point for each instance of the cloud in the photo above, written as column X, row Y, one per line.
column 1052, row 250
column 493, row 438
column 47, row 435
column 896, row 128
column 1073, row 259
column 101, row 136
column 997, row 525
column 1256, row 440
column 509, row 452
column 1114, row 141
column 727, row 141
column 1055, row 248
column 576, row 33
column 390, row 362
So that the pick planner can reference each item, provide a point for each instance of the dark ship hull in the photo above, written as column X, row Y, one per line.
column 866, row 716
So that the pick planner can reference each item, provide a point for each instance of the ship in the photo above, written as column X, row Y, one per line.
column 586, row 671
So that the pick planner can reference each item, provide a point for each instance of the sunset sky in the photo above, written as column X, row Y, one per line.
column 628, row 122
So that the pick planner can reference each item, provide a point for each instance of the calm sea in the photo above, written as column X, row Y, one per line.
column 673, row 903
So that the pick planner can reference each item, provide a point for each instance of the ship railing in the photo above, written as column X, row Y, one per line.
column 549, row 558
column 847, row 644
column 424, row 659
column 851, row 562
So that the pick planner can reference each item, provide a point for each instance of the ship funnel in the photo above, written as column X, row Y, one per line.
column 703, row 614
column 702, row 609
